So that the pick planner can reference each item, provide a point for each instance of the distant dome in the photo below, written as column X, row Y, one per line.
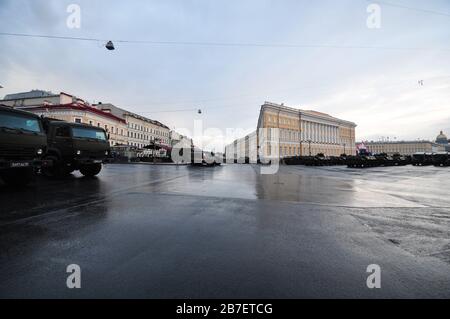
column 442, row 139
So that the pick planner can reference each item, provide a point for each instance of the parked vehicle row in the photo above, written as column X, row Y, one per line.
column 318, row 160
column 427, row 159
column 366, row 160
column 377, row 160
column 29, row 143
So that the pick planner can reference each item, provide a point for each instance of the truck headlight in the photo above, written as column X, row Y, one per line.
column 39, row 151
column 78, row 152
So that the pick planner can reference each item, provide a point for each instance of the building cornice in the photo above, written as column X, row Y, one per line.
column 278, row 108
column 77, row 107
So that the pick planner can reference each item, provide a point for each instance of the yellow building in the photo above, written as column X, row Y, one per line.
column 403, row 147
column 285, row 131
column 304, row 132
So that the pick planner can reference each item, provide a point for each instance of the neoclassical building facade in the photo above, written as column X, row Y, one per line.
column 303, row 132
column 284, row 131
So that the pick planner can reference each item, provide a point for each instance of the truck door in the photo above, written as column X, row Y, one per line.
column 62, row 140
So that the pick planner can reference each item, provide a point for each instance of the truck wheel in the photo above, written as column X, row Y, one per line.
column 56, row 170
column 91, row 170
column 18, row 177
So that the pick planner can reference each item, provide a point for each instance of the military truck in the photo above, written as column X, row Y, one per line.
column 74, row 146
column 422, row 159
column 23, row 143
column 441, row 159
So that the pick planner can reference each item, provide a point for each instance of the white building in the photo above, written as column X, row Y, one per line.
column 142, row 131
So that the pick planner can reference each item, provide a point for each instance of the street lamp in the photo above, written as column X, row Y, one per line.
column 110, row 46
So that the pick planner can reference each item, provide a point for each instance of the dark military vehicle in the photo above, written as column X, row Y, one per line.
column 363, row 161
column 422, row 159
column 73, row 146
column 401, row 160
column 22, row 144
column 441, row 159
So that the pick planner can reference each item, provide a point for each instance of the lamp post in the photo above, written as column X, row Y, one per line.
column 300, row 132
column 301, row 151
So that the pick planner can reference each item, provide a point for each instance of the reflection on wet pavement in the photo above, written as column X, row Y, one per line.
column 179, row 231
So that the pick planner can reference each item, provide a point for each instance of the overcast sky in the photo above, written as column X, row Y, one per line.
column 376, row 88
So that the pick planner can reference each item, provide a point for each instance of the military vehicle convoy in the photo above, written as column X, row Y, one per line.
column 366, row 160
column 318, row 160
column 23, row 143
column 74, row 146
column 29, row 143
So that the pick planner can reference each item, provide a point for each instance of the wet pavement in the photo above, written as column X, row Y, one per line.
column 148, row 231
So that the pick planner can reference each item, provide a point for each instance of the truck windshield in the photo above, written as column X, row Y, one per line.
column 88, row 133
column 19, row 122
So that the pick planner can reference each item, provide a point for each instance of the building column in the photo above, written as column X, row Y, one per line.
column 330, row 131
column 316, row 131
column 320, row 132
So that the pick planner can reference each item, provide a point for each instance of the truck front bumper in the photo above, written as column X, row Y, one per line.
column 89, row 161
column 13, row 164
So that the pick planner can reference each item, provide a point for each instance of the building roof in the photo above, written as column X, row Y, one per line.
column 29, row 95
column 306, row 112
column 442, row 138
column 78, row 107
column 117, row 111
column 316, row 113
column 397, row 142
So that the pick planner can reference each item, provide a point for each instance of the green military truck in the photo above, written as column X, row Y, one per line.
column 74, row 146
column 23, row 143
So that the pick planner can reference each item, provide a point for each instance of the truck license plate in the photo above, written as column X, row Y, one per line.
column 26, row 164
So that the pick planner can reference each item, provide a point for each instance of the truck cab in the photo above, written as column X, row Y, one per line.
column 23, row 143
column 74, row 146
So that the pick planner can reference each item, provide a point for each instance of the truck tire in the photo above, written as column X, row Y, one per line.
column 18, row 177
column 91, row 170
column 57, row 169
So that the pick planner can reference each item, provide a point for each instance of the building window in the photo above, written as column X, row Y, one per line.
column 77, row 120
